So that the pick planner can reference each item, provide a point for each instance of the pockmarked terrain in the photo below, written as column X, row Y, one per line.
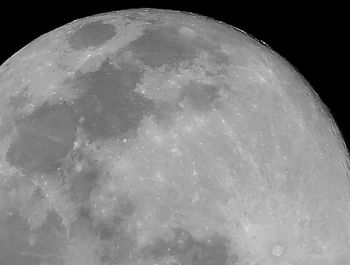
column 152, row 137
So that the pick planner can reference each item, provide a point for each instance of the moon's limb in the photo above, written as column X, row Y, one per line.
column 158, row 137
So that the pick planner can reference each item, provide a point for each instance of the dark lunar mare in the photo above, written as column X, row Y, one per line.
column 108, row 107
column 92, row 34
column 189, row 251
column 160, row 46
column 164, row 45
column 44, row 138
column 199, row 96
column 15, row 248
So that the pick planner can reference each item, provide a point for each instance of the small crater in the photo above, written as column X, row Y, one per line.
column 92, row 34
column 277, row 250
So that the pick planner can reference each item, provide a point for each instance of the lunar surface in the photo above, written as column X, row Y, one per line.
column 154, row 137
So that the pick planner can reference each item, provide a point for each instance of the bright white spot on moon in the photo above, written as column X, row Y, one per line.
column 187, row 32
column 277, row 250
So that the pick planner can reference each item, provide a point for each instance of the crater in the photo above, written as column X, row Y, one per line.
column 93, row 34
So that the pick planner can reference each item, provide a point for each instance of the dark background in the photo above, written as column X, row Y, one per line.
column 312, row 38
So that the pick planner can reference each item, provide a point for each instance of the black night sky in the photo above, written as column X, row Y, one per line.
column 312, row 38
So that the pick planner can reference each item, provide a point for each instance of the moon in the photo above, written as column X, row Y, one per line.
column 158, row 137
